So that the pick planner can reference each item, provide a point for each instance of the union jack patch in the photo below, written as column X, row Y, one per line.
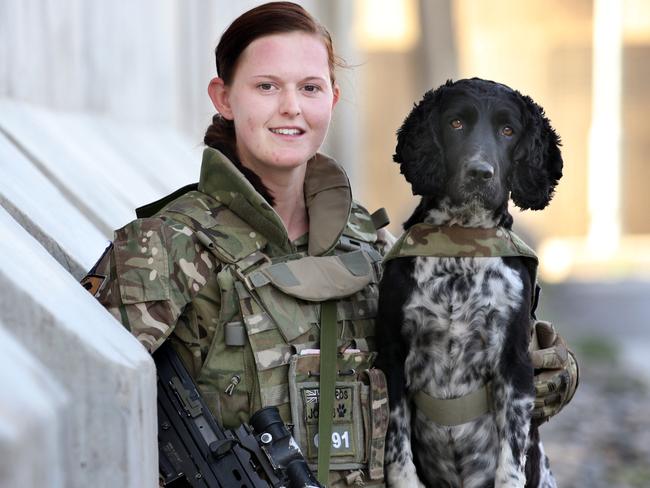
column 311, row 396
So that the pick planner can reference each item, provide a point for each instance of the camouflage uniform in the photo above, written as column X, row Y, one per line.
column 215, row 272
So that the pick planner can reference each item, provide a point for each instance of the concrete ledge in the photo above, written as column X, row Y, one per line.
column 71, row 179
column 74, row 178
column 109, row 425
column 108, row 168
column 31, row 428
column 36, row 204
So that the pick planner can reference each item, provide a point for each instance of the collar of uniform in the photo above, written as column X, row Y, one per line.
column 328, row 199
column 221, row 179
column 327, row 196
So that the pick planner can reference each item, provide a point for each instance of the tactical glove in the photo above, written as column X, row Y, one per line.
column 556, row 371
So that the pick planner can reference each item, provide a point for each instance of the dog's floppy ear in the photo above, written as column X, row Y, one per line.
column 418, row 149
column 538, row 160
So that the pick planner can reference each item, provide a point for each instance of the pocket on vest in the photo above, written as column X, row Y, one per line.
column 359, row 413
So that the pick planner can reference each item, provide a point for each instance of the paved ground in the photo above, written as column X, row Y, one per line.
column 603, row 438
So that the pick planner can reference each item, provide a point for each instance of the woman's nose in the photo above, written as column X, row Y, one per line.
column 289, row 104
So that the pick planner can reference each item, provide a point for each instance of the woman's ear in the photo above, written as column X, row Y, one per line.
column 537, row 160
column 219, row 94
column 336, row 91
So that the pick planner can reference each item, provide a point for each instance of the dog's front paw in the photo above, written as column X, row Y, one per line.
column 402, row 476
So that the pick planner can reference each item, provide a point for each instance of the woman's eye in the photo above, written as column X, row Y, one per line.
column 456, row 124
column 507, row 131
column 311, row 88
column 265, row 86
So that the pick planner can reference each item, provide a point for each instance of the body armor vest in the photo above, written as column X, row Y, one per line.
column 264, row 351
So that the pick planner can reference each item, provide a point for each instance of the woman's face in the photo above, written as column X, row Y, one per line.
column 280, row 99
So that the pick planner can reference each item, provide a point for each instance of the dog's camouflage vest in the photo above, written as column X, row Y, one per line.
column 425, row 240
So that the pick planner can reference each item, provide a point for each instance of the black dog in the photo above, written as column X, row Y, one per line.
column 448, row 326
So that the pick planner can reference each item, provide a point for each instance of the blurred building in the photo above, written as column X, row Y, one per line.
column 586, row 62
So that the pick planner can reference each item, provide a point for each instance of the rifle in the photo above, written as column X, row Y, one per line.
column 194, row 451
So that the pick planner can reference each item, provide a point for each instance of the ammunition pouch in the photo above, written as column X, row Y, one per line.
column 360, row 413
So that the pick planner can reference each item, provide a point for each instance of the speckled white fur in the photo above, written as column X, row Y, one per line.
column 455, row 323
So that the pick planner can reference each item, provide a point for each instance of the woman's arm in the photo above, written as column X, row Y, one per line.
column 145, row 279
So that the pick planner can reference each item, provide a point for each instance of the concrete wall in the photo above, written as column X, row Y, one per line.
column 82, row 396
column 78, row 392
column 80, row 148
column 78, row 402
column 102, row 109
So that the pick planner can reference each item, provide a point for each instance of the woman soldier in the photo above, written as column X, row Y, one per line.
column 249, row 271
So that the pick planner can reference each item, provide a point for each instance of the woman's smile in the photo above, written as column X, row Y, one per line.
column 290, row 132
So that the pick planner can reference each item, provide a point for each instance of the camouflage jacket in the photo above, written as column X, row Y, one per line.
column 212, row 271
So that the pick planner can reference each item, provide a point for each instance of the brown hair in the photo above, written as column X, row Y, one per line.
column 267, row 19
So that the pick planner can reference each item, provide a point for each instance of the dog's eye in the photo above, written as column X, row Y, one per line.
column 507, row 131
column 456, row 124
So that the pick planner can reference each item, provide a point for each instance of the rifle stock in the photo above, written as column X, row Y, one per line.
column 194, row 451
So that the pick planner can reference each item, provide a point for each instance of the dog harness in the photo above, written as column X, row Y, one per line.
column 426, row 240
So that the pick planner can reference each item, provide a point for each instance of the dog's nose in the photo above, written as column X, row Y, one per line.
column 480, row 170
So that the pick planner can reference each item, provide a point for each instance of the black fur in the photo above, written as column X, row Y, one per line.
column 536, row 159
column 449, row 325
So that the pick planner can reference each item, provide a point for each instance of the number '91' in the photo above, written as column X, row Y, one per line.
column 339, row 440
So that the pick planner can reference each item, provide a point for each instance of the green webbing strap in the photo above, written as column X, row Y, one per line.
column 380, row 218
column 327, row 386
column 455, row 411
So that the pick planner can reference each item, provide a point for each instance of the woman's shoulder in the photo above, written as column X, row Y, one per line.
column 156, row 258
column 214, row 225
column 360, row 225
column 166, row 225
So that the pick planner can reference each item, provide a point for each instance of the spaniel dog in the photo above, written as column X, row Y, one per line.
column 447, row 326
